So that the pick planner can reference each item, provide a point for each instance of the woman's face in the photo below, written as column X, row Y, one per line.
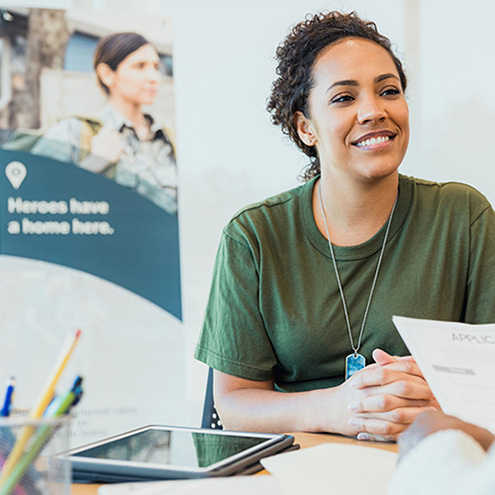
column 358, row 115
column 136, row 78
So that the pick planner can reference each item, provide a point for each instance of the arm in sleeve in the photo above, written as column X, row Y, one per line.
column 449, row 462
column 234, row 339
column 480, row 299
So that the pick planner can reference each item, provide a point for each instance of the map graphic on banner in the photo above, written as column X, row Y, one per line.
column 89, row 234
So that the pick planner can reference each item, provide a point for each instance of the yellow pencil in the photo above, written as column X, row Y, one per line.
column 42, row 403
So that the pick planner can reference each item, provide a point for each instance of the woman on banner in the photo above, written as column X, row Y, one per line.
column 125, row 143
column 306, row 282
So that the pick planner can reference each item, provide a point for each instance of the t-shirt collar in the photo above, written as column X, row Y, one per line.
column 368, row 247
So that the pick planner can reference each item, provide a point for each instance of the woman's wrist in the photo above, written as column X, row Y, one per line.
column 329, row 411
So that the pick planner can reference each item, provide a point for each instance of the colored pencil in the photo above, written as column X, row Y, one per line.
column 42, row 403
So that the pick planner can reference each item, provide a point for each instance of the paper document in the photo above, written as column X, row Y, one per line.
column 238, row 485
column 458, row 362
column 333, row 468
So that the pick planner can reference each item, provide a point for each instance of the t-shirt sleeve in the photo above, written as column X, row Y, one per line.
column 234, row 339
column 480, row 302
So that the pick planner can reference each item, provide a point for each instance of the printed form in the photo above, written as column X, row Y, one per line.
column 458, row 362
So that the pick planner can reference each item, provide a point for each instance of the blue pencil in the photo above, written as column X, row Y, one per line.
column 9, row 393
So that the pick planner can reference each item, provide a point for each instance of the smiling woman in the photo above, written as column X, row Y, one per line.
column 306, row 282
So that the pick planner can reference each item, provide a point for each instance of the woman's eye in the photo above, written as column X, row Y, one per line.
column 342, row 99
column 390, row 91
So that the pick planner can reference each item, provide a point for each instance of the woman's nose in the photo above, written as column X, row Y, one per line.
column 371, row 110
column 153, row 74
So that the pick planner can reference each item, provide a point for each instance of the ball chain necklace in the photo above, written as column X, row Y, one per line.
column 355, row 361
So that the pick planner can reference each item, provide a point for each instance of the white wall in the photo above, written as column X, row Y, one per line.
column 457, row 93
column 230, row 155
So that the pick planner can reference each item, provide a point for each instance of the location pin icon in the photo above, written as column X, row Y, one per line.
column 16, row 173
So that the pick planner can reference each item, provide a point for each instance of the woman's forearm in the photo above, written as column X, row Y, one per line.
column 255, row 406
column 277, row 412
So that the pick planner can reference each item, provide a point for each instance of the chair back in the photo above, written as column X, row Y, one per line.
column 210, row 415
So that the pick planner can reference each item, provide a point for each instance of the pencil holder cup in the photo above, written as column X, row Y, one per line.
column 29, row 460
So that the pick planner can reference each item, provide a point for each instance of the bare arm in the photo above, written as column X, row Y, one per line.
column 380, row 401
column 255, row 406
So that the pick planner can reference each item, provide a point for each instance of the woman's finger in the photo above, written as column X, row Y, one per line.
column 406, row 365
column 383, row 403
column 404, row 389
column 376, row 427
column 382, row 358
column 379, row 376
column 388, row 425
column 401, row 416
column 368, row 437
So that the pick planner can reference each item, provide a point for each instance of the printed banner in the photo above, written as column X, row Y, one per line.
column 89, row 234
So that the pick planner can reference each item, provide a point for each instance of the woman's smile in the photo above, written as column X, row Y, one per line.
column 374, row 141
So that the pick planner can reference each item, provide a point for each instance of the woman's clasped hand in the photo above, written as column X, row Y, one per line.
column 383, row 399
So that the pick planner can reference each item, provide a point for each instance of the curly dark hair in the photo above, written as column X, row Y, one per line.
column 296, row 57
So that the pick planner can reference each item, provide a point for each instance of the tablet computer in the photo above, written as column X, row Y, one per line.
column 165, row 452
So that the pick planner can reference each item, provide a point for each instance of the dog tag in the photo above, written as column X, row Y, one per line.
column 353, row 363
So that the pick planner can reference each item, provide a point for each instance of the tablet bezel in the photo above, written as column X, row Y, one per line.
column 105, row 470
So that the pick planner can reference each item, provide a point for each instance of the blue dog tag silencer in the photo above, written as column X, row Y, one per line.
column 353, row 363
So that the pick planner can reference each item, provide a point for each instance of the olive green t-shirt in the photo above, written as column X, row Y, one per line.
column 275, row 311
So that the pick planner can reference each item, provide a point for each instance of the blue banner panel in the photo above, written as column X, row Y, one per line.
column 57, row 212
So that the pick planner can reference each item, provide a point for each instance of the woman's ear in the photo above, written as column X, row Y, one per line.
column 105, row 74
column 304, row 129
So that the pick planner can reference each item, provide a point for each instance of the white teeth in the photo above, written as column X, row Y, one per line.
column 372, row 141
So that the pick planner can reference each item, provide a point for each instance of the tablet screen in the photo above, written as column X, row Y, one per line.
column 173, row 447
